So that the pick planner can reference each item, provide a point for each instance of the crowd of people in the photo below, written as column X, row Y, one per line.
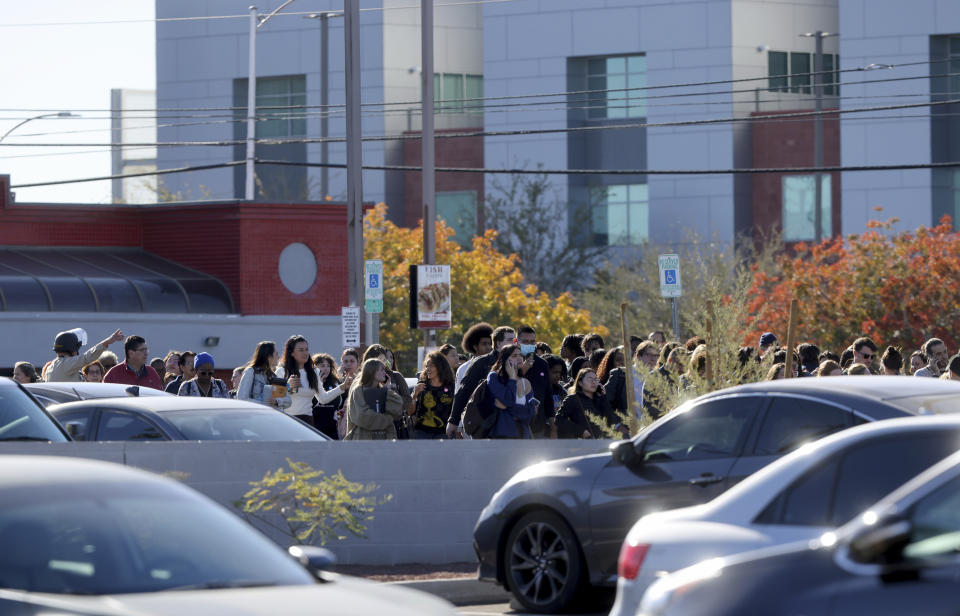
column 505, row 384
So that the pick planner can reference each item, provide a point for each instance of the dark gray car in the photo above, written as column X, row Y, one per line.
column 555, row 528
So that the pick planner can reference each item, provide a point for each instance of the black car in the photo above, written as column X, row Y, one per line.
column 22, row 418
column 555, row 528
column 176, row 418
column 901, row 556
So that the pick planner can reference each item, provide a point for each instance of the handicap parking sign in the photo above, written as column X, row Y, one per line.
column 670, row 283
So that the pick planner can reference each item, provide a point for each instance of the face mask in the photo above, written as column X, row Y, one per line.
column 528, row 349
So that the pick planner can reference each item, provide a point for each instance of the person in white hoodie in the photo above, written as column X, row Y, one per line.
column 303, row 379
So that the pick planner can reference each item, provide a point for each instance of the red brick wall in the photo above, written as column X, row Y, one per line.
column 789, row 143
column 239, row 243
column 451, row 152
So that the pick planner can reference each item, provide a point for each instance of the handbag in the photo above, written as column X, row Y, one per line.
column 479, row 415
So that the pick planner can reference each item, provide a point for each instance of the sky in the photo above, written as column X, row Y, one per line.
column 53, row 68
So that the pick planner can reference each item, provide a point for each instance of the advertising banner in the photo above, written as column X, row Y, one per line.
column 430, row 297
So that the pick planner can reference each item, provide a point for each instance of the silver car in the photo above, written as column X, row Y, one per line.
column 91, row 538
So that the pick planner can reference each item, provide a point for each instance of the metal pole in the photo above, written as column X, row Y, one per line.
column 251, row 105
column 351, row 38
column 818, row 135
column 324, row 102
column 427, row 142
column 675, row 311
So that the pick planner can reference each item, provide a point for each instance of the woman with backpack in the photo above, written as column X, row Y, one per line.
column 258, row 383
column 586, row 397
column 373, row 405
column 512, row 396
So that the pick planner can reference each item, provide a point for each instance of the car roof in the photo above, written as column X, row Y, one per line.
column 875, row 387
column 33, row 470
column 164, row 404
column 94, row 390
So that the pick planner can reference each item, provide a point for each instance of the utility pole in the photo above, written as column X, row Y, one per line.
column 427, row 142
column 351, row 38
column 251, row 104
column 818, row 37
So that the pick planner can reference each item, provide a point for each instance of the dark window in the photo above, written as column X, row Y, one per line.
column 936, row 522
column 777, row 70
column 791, row 422
column 712, row 429
column 848, row 482
column 121, row 426
column 800, row 72
column 80, row 421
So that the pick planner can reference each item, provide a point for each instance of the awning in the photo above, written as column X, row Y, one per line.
column 104, row 280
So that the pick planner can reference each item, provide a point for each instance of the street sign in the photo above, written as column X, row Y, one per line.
column 373, row 286
column 670, row 283
column 350, row 326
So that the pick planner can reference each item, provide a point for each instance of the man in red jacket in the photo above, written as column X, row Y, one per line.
column 134, row 369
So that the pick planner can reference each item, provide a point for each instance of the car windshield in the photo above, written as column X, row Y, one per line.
column 926, row 404
column 125, row 538
column 235, row 425
column 22, row 420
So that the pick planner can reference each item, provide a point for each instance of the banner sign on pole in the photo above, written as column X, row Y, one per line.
column 350, row 326
column 670, row 284
column 430, row 297
column 373, row 286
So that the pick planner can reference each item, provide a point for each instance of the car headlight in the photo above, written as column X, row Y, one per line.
column 662, row 592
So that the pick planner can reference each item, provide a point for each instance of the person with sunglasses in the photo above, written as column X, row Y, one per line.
column 204, row 384
column 865, row 352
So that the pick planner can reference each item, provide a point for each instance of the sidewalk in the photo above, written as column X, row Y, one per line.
column 455, row 582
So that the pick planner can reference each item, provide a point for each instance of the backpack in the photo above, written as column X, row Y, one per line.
column 480, row 414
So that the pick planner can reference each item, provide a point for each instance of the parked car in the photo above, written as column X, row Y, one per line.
column 93, row 538
column 175, row 418
column 59, row 392
column 817, row 488
column 23, row 419
column 556, row 528
column 901, row 556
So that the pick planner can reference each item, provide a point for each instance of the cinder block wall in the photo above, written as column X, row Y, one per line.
column 438, row 487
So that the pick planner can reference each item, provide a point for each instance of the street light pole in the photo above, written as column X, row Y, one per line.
column 351, row 42
column 251, row 105
column 427, row 142
column 324, row 98
column 818, row 37
column 59, row 114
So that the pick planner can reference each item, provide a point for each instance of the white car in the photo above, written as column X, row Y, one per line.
column 818, row 487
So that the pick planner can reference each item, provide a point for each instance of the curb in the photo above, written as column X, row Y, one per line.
column 460, row 591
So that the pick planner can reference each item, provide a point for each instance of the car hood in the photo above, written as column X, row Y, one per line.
column 343, row 596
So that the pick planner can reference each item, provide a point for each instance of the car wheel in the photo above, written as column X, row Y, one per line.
column 542, row 562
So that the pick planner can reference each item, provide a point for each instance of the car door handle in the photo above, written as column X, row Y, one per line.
column 705, row 480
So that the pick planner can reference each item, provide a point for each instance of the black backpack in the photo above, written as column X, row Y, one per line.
column 480, row 414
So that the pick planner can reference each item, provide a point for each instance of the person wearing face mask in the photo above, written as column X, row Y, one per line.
column 476, row 374
column 512, row 396
column 535, row 369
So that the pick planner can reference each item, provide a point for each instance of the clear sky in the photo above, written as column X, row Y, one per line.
column 52, row 68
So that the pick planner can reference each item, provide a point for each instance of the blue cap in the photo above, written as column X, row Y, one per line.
column 765, row 340
column 202, row 358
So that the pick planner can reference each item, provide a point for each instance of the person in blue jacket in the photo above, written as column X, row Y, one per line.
column 512, row 396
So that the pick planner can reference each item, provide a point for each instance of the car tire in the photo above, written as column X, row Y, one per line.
column 542, row 562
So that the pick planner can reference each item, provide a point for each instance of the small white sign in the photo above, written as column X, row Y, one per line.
column 670, row 283
column 350, row 326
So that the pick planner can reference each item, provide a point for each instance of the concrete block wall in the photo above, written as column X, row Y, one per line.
column 438, row 488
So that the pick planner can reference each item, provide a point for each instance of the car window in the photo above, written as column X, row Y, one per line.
column 22, row 419
column 869, row 473
column 710, row 429
column 122, row 426
column 791, row 422
column 233, row 425
column 846, row 483
column 936, row 523
column 80, row 421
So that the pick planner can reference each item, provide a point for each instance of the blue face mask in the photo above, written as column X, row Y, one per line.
column 528, row 349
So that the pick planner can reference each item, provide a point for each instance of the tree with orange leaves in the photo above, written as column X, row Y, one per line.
column 485, row 285
column 898, row 288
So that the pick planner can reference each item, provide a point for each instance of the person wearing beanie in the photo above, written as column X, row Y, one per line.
column 204, row 384
column 768, row 342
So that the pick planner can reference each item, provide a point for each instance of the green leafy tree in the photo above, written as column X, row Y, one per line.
column 311, row 508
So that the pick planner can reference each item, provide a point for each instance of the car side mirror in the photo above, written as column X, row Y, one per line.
column 73, row 428
column 133, row 391
column 881, row 543
column 625, row 452
column 316, row 560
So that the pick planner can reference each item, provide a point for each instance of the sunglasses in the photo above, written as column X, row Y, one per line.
column 867, row 355
column 205, row 372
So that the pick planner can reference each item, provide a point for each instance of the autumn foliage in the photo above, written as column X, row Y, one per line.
column 899, row 288
column 485, row 284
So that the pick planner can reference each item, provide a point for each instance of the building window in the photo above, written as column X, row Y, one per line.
column 621, row 215
column 799, row 195
column 459, row 210
column 281, row 106
column 791, row 72
column 616, row 85
column 452, row 92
